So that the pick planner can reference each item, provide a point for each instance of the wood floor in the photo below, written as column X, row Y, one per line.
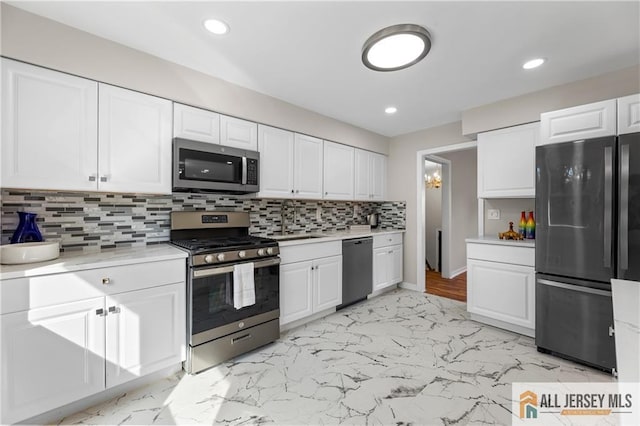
column 455, row 288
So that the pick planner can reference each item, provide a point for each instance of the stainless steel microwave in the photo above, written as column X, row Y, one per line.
column 207, row 167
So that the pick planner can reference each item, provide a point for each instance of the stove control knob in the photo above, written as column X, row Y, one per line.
column 261, row 252
column 208, row 258
column 270, row 250
column 220, row 257
column 242, row 254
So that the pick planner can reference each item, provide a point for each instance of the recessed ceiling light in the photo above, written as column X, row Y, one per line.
column 391, row 110
column 534, row 63
column 396, row 47
column 216, row 26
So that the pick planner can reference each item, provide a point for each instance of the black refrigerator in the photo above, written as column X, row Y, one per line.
column 587, row 232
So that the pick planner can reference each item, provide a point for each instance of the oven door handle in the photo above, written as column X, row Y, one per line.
column 226, row 269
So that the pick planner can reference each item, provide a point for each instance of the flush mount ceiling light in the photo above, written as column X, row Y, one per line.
column 396, row 47
column 391, row 110
column 216, row 26
column 534, row 63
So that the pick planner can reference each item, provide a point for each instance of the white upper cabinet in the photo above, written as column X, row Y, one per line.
column 308, row 163
column 238, row 133
column 629, row 114
column 506, row 162
column 276, row 162
column 196, row 124
column 50, row 129
column 582, row 122
column 134, row 142
column 290, row 164
column 338, row 171
column 370, row 175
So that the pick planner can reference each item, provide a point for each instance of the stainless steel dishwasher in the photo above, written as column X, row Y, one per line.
column 357, row 270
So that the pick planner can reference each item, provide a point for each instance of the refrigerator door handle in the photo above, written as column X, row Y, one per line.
column 623, row 228
column 608, row 202
column 575, row 287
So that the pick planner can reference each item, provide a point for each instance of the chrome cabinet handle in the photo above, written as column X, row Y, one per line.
column 106, row 281
column 292, row 191
column 326, row 193
column 114, row 310
column 103, row 178
column 297, row 191
column 101, row 313
column 92, row 178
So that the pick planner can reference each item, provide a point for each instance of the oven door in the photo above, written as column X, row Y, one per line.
column 208, row 167
column 212, row 314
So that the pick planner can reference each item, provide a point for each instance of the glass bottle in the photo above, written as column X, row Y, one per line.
column 27, row 230
column 522, row 225
column 531, row 227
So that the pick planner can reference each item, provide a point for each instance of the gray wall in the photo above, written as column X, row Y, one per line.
column 510, row 210
column 433, row 213
column 464, row 205
column 40, row 41
column 527, row 108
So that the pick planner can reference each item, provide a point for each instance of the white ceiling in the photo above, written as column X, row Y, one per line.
column 308, row 53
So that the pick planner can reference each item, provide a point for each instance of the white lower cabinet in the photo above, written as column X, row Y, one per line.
column 130, row 322
column 50, row 357
column 501, row 286
column 310, row 279
column 387, row 260
column 144, row 332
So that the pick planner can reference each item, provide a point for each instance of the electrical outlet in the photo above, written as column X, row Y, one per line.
column 319, row 214
column 493, row 214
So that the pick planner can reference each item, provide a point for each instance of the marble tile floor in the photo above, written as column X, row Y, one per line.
column 401, row 358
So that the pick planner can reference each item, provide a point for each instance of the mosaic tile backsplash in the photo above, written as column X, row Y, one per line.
column 95, row 221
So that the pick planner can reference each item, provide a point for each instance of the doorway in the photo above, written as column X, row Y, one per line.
column 449, row 260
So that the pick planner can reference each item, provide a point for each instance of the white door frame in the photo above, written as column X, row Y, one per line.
column 421, row 156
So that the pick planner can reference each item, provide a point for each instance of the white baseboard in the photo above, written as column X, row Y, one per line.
column 457, row 272
column 409, row 286
column 303, row 321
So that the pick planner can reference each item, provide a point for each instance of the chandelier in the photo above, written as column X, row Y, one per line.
column 433, row 180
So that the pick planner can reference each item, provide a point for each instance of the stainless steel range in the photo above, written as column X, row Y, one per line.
column 220, row 246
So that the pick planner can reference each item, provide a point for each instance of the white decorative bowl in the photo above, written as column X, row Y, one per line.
column 13, row 254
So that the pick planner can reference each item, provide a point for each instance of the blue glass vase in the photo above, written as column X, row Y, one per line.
column 27, row 230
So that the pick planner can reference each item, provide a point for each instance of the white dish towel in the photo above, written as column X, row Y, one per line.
column 244, row 288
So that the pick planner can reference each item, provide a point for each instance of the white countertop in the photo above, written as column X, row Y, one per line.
column 486, row 239
column 335, row 236
column 74, row 261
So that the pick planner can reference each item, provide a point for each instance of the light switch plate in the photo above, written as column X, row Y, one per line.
column 493, row 214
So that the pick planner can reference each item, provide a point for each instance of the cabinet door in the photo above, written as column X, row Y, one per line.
column 296, row 295
column 51, row 357
column 308, row 167
column 50, row 129
column 589, row 121
column 506, row 162
column 381, row 268
column 145, row 332
column 395, row 262
column 362, row 170
column 629, row 114
column 276, row 162
column 338, row 171
column 196, row 124
column 238, row 133
column 328, row 283
column 378, row 176
column 501, row 291
column 134, row 142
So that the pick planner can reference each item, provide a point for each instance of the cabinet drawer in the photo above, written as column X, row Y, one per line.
column 46, row 290
column 302, row 252
column 504, row 254
column 387, row 240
